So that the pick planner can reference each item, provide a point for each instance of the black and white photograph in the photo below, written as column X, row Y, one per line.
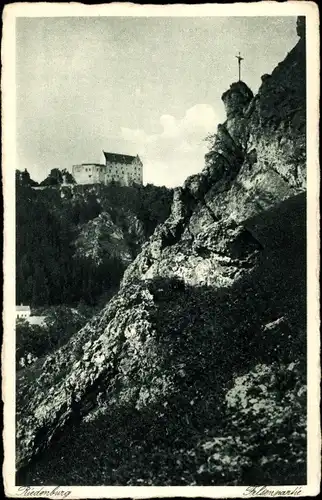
column 161, row 310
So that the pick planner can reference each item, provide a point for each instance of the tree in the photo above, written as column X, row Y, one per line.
column 54, row 178
column 40, row 289
column 23, row 179
column 30, row 339
column 36, row 341
column 69, row 179
column 62, row 322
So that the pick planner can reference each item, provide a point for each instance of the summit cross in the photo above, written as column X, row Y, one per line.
column 239, row 61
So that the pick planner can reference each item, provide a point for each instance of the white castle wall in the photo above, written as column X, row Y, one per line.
column 125, row 174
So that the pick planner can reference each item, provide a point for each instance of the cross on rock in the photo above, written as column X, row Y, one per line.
column 239, row 64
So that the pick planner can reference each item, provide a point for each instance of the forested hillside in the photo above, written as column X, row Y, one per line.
column 74, row 242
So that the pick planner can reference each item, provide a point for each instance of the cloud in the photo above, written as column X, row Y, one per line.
column 170, row 156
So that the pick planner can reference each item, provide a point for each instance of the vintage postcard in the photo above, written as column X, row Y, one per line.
column 161, row 250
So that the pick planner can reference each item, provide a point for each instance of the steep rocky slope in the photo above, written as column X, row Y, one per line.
column 194, row 373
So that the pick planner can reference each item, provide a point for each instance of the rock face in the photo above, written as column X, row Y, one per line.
column 101, row 237
column 149, row 374
column 257, row 160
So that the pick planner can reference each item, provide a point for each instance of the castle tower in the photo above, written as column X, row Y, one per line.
column 124, row 169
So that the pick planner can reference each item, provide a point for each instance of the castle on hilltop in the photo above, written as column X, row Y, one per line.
column 124, row 169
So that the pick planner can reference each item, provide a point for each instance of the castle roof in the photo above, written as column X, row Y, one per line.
column 94, row 164
column 22, row 308
column 118, row 158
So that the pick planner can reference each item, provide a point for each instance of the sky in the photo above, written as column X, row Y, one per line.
column 134, row 85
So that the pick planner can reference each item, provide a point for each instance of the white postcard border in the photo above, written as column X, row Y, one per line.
column 41, row 9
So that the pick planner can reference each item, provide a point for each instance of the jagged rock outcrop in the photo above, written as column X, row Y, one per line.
column 193, row 311
column 236, row 100
column 101, row 237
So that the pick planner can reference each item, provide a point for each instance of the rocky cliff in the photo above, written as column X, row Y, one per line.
column 101, row 236
column 193, row 373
